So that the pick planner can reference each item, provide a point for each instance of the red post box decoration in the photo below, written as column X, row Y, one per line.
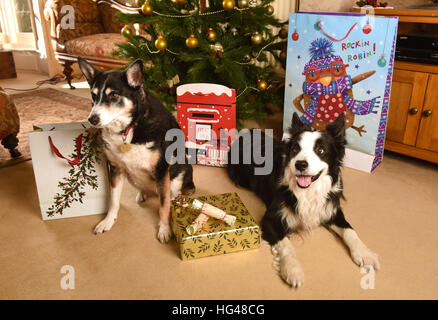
column 206, row 113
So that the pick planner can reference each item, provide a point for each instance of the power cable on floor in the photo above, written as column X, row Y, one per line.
column 53, row 81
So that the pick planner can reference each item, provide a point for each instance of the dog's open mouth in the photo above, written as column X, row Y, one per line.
column 305, row 181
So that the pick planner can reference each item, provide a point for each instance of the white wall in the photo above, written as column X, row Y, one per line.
column 30, row 60
column 44, row 39
column 326, row 5
column 282, row 8
column 347, row 5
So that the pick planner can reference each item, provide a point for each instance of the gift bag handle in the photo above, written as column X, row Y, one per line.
column 334, row 39
column 78, row 147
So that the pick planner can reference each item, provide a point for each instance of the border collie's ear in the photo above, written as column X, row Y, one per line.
column 297, row 125
column 134, row 74
column 337, row 128
column 87, row 69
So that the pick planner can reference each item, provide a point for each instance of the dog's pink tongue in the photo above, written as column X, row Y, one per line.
column 304, row 181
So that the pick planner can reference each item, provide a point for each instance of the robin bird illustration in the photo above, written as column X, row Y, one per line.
column 328, row 89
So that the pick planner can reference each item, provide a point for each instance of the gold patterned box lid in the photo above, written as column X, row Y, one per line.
column 215, row 237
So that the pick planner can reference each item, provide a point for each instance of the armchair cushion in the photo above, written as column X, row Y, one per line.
column 97, row 45
column 85, row 29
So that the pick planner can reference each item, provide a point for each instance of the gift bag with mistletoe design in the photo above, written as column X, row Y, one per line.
column 342, row 63
column 70, row 170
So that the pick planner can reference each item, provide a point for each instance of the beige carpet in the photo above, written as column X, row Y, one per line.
column 394, row 210
column 43, row 106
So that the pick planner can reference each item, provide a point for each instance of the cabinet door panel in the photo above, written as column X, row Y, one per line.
column 428, row 132
column 407, row 92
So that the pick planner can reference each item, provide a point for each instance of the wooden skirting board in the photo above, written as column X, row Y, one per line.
column 411, row 151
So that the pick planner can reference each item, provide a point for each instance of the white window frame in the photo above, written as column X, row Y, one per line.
column 2, row 32
column 11, row 37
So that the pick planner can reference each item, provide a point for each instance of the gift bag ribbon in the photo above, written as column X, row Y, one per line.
column 75, row 161
column 334, row 39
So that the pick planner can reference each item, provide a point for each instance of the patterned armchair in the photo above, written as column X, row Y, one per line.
column 95, row 34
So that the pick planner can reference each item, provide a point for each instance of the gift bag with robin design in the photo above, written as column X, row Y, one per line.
column 342, row 63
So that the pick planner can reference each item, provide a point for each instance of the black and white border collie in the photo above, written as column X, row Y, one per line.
column 302, row 192
column 127, row 114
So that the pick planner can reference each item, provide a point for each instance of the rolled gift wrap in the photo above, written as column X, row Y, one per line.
column 213, row 212
column 197, row 224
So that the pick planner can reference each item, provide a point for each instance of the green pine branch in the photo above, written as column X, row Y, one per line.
column 79, row 176
column 204, row 63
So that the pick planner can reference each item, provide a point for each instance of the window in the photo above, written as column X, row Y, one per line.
column 2, row 37
column 22, row 14
column 16, row 24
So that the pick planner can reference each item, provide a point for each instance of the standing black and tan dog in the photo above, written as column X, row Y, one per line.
column 133, row 124
column 302, row 192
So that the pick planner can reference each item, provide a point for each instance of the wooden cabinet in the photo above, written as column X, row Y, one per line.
column 428, row 132
column 413, row 109
column 413, row 112
column 7, row 65
column 407, row 98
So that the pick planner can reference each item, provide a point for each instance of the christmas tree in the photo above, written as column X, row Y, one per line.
column 208, row 41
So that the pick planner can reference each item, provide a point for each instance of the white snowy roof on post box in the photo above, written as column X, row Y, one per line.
column 205, row 88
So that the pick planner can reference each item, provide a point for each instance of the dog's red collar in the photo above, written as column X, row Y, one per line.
column 126, row 132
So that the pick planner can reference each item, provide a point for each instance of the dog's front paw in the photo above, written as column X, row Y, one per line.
column 164, row 233
column 291, row 272
column 363, row 256
column 105, row 225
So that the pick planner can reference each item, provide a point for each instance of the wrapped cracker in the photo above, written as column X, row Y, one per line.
column 214, row 212
column 197, row 224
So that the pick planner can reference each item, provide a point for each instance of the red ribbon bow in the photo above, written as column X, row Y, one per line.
column 78, row 147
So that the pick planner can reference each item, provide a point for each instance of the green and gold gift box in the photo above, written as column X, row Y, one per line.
column 215, row 237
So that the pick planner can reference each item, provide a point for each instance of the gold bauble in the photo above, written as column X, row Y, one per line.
column 243, row 4
column 283, row 33
column 181, row 2
column 192, row 41
column 228, row 4
column 269, row 10
column 147, row 9
column 262, row 85
column 126, row 30
column 256, row 38
column 211, row 34
column 139, row 3
column 161, row 43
